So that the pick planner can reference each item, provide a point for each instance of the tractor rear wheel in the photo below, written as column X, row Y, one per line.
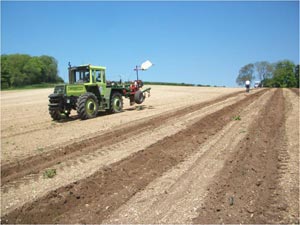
column 116, row 103
column 139, row 97
column 87, row 106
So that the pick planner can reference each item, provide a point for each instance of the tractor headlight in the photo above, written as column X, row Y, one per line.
column 59, row 89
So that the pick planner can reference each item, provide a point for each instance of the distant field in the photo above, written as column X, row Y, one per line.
column 28, row 87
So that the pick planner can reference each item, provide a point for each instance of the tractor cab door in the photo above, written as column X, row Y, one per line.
column 99, row 79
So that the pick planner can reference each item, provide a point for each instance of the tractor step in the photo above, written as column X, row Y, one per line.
column 53, row 104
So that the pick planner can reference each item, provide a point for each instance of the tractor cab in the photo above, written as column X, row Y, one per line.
column 87, row 74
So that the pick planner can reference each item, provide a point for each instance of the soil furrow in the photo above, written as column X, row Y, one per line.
column 92, row 199
column 36, row 163
column 245, row 190
column 174, row 197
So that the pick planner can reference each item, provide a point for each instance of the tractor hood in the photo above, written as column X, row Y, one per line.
column 75, row 89
column 70, row 89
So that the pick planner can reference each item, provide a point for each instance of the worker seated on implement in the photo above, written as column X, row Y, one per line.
column 86, row 78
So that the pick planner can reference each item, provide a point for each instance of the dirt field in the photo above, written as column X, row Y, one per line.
column 187, row 155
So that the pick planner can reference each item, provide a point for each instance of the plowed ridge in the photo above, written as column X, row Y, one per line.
column 94, row 198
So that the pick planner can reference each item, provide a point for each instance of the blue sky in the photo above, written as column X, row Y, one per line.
column 191, row 42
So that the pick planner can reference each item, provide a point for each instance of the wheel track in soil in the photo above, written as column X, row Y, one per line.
column 34, row 164
column 115, row 184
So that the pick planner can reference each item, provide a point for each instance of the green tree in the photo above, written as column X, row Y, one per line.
column 284, row 74
column 49, row 69
column 16, row 63
column 20, row 69
column 297, row 74
column 5, row 75
column 245, row 73
column 32, row 70
column 264, row 70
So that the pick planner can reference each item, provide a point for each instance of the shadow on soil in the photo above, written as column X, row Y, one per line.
column 139, row 107
column 76, row 117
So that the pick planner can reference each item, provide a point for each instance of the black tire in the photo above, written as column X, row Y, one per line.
column 139, row 97
column 55, row 114
column 55, row 106
column 87, row 106
column 116, row 103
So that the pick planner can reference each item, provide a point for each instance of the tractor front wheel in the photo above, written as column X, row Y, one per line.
column 55, row 114
column 87, row 106
column 116, row 103
column 55, row 102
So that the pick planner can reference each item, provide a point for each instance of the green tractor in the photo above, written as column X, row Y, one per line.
column 89, row 92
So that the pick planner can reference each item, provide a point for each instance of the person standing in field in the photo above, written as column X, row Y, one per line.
column 247, row 84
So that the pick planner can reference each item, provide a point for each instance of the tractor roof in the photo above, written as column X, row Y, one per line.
column 88, row 66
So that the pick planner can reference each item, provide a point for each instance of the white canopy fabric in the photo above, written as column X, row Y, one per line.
column 146, row 65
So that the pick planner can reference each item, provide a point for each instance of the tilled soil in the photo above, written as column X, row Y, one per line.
column 35, row 163
column 96, row 155
column 296, row 90
column 247, row 190
column 225, row 161
column 27, row 128
column 176, row 195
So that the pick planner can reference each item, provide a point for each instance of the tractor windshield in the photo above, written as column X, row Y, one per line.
column 80, row 75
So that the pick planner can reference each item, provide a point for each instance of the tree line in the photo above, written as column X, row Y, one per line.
column 18, row 70
column 168, row 83
column 178, row 84
column 280, row 74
